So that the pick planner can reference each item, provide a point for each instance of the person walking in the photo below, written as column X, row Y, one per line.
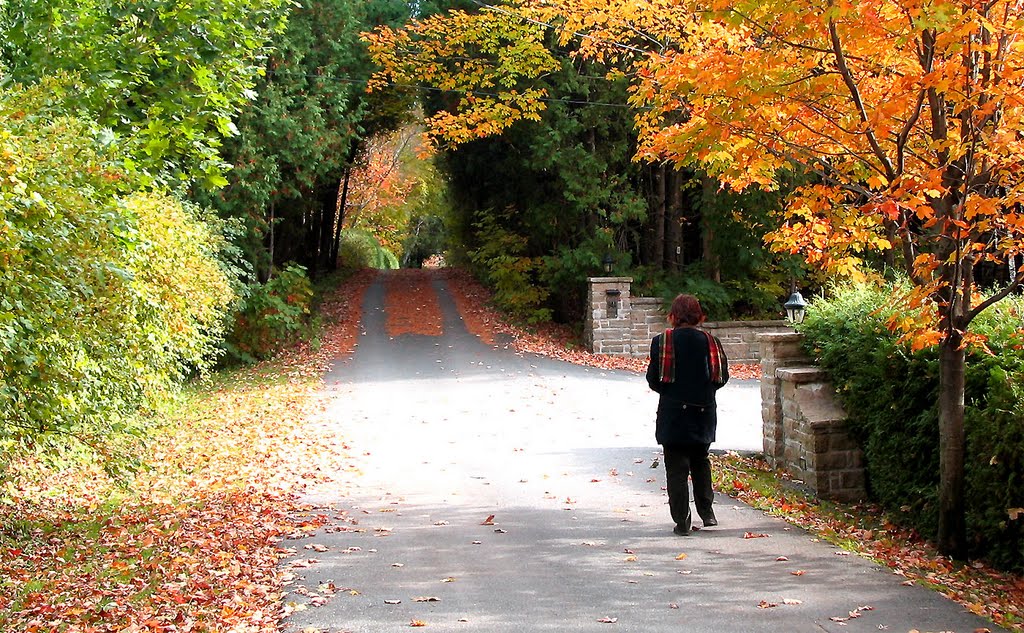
column 687, row 367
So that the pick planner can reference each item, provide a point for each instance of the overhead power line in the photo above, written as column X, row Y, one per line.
column 477, row 93
column 611, row 43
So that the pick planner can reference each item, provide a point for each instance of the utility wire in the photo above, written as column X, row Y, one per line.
column 479, row 93
column 548, row 25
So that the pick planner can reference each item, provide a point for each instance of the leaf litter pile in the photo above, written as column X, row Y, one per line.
column 193, row 542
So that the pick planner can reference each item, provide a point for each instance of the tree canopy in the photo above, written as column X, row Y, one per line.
column 167, row 76
column 905, row 117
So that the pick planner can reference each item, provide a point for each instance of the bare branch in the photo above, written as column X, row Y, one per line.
column 851, row 84
column 1016, row 284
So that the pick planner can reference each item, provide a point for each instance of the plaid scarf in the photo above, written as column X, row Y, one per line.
column 717, row 367
column 716, row 359
column 668, row 358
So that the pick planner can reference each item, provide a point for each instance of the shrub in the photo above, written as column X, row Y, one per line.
column 505, row 269
column 360, row 249
column 272, row 315
column 108, row 297
column 891, row 395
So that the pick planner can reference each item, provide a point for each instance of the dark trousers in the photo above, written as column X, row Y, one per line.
column 688, row 461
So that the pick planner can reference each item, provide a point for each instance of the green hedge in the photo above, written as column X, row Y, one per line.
column 891, row 396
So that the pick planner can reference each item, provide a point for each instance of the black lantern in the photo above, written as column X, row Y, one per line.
column 609, row 262
column 795, row 308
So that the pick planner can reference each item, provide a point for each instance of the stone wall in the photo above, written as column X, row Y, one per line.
column 619, row 324
column 779, row 350
column 804, row 426
column 741, row 339
column 648, row 319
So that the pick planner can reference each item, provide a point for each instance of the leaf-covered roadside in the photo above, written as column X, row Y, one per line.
column 191, row 543
column 865, row 530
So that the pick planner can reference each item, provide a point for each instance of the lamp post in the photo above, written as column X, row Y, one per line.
column 609, row 262
column 795, row 307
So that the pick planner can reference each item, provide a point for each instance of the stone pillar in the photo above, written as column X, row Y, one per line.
column 777, row 350
column 608, row 321
column 816, row 447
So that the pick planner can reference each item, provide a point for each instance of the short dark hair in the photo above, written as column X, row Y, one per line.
column 685, row 310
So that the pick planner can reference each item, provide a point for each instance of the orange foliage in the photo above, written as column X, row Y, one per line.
column 380, row 185
column 907, row 114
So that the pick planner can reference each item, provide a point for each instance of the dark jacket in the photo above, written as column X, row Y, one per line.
column 686, row 409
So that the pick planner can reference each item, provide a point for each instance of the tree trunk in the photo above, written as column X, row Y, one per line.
column 674, row 222
column 327, row 203
column 341, row 217
column 952, row 447
column 712, row 265
column 658, row 216
column 270, row 266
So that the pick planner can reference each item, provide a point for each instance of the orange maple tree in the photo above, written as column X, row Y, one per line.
column 907, row 113
column 380, row 186
column 905, row 116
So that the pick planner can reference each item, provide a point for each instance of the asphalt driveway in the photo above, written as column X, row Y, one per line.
column 495, row 492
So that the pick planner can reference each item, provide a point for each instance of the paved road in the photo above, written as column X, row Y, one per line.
column 450, row 431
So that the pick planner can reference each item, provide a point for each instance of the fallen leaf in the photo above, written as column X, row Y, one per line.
column 781, row 559
column 798, row 572
column 792, row 601
column 448, row 579
column 392, row 602
column 681, row 556
column 318, row 601
column 488, row 521
column 426, row 599
column 764, row 604
column 754, row 535
column 417, row 623
column 608, row 620
column 673, row 606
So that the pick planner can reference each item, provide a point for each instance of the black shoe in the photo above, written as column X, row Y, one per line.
column 711, row 522
column 679, row 530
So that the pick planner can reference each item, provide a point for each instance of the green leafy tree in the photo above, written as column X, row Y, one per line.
column 300, row 136
column 168, row 75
